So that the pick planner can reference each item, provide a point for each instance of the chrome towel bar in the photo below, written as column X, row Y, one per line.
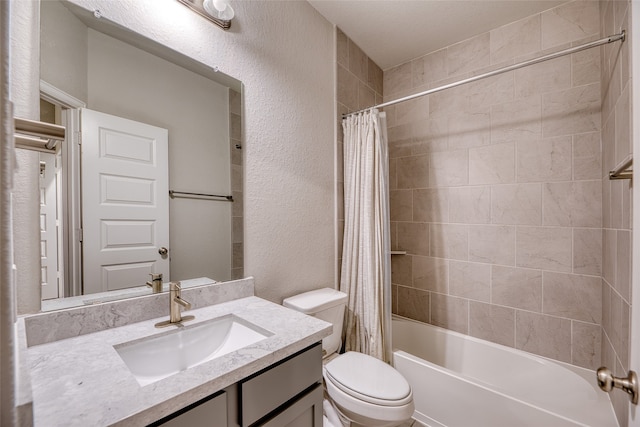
column 622, row 171
column 202, row 196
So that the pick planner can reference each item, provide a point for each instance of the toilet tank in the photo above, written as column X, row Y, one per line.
column 326, row 304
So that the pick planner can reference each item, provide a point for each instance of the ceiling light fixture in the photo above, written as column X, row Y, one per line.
column 219, row 12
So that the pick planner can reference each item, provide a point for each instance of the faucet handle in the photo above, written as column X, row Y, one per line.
column 155, row 276
column 175, row 286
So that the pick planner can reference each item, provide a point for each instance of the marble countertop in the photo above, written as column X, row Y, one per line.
column 83, row 381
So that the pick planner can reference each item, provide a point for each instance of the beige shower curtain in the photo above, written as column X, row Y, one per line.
column 366, row 257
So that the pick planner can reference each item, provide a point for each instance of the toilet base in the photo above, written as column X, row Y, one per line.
column 395, row 417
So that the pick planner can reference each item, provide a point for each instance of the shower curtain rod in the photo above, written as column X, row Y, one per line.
column 596, row 43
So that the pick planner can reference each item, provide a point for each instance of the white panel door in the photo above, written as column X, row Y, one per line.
column 48, row 226
column 125, row 201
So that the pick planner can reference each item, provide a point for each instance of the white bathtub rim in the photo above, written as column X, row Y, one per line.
column 489, row 389
column 585, row 374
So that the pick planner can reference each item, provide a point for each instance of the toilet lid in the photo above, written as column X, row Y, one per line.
column 368, row 378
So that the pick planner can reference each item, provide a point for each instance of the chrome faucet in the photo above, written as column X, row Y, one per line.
column 175, row 301
column 156, row 282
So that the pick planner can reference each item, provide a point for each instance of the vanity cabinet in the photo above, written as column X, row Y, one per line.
column 287, row 394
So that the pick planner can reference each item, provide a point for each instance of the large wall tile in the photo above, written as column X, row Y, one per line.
column 430, row 274
column 544, row 160
column 375, row 77
column 414, row 304
column 548, row 248
column 401, row 205
column 516, row 204
column 449, row 241
column 516, row 39
column 575, row 110
column 431, row 135
column 573, row 296
column 413, row 172
column 573, row 204
column 397, row 79
column 609, row 253
column 412, row 111
column 586, row 156
column 469, row 129
column 342, row 47
column 572, row 21
column 400, row 141
column 494, row 164
column 490, row 91
column 470, row 205
column 413, row 237
column 549, row 76
column 431, row 205
column 586, row 345
column 587, row 251
column 492, row 322
column 444, row 104
column 470, row 280
column 585, row 67
column 347, row 88
column 366, row 96
column 516, row 287
column 358, row 62
column 468, row 55
column 450, row 312
column 544, row 335
column 449, row 169
column 492, row 244
column 517, row 120
column 623, row 264
column 401, row 270
column 623, row 126
column 429, row 68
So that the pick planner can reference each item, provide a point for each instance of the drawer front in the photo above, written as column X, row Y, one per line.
column 210, row 413
column 266, row 391
column 306, row 411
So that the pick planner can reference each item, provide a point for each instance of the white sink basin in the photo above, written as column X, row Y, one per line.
column 152, row 359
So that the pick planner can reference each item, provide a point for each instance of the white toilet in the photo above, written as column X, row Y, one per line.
column 365, row 390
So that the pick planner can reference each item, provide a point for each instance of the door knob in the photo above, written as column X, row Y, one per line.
column 163, row 251
column 608, row 382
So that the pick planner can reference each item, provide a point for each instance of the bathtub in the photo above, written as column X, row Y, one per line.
column 461, row 381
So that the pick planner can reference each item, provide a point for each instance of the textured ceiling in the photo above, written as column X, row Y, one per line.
column 395, row 31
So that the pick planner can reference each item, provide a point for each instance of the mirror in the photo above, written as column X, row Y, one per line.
column 96, row 244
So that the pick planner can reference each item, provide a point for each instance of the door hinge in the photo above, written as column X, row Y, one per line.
column 79, row 137
column 80, row 235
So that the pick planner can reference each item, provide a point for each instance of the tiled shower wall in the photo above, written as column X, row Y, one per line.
column 359, row 86
column 616, row 198
column 497, row 188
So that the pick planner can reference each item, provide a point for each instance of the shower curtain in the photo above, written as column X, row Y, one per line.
column 366, row 256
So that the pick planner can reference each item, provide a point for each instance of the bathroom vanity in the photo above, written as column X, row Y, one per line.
column 137, row 374
column 286, row 394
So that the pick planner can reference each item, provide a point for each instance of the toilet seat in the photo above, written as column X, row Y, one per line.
column 368, row 379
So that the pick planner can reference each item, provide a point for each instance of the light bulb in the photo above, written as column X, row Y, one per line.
column 219, row 9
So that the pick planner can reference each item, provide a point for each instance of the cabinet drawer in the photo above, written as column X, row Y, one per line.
column 306, row 411
column 209, row 412
column 269, row 389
